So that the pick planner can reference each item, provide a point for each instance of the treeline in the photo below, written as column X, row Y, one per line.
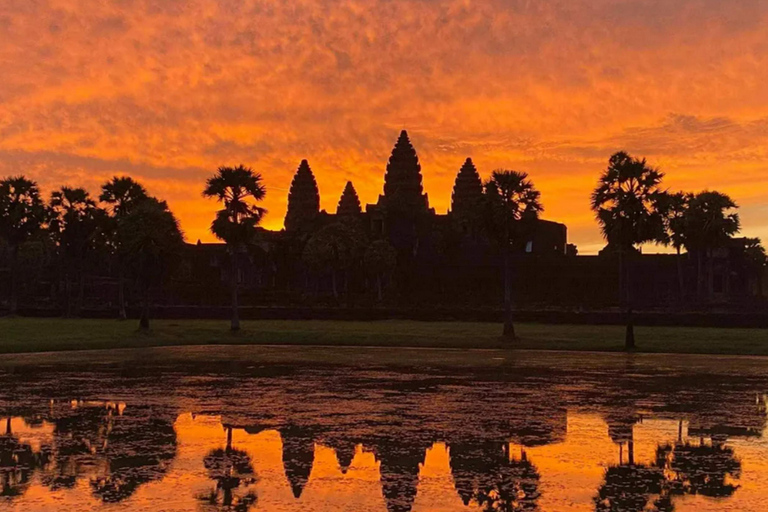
column 137, row 238
column 633, row 209
column 124, row 229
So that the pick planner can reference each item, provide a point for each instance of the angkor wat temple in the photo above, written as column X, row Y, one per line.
column 399, row 254
column 448, row 259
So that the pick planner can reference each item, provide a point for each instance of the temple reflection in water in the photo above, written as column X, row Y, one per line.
column 389, row 441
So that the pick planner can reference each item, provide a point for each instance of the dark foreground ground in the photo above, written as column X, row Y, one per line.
column 18, row 335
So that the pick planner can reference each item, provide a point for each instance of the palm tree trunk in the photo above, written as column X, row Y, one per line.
column 333, row 284
column 122, row 315
column 80, row 293
column 680, row 277
column 14, row 280
column 235, row 307
column 629, row 338
column 509, row 326
column 67, row 296
column 346, row 288
column 144, row 320
column 378, row 286
column 699, row 276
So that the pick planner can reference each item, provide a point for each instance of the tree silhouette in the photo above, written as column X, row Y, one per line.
column 349, row 203
column 710, row 221
column 236, row 224
column 22, row 214
column 756, row 259
column 151, row 244
column 513, row 487
column 80, row 229
column 140, row 450
column 117, row 449
column 486, row 475
column 122, row 194
column 77, row 437
column 673, row 208
column 626, row 203
column 303, row 201
column 380, row 259
column 513, row 200
column 334, row 248
column 628, row 488
column 17, row 464
column 230, row 468
column 702, row 468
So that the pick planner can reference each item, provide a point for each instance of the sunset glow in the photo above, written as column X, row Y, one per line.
column 168, row 90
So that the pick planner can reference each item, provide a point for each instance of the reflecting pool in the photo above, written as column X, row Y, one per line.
column 247, row 429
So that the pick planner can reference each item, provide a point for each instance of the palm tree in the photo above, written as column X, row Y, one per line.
column 756, row 260
column 513, row 200
column 236, row 188
column 22, row 214
column 710, row 221
column 231, row 469
column 673, row 208
column 122, row 194
column 626, row 203
column 79, row 228
column 151, row 242
column 335, row 249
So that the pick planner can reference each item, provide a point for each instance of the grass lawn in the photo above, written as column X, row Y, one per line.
column 35, row 335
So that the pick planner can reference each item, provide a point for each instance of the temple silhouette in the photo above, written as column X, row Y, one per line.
column 399, row 255
column 438, row 259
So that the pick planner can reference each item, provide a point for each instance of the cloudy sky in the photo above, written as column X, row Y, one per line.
column 168, row 90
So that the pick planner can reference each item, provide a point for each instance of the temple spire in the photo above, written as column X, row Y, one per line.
column 467, row 190
column 303, row 200
column 349, row 204
column 402, row 181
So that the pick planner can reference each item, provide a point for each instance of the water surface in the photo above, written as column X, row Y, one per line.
column 279, row 429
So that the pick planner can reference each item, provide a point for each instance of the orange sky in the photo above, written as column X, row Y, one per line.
column 167, row 90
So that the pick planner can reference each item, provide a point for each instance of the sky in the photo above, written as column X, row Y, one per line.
column 169, row 90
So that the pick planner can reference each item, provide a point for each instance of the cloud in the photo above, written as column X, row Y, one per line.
column 171, row 89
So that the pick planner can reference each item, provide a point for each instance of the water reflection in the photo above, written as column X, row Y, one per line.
column 17, row 464
column 492, row 478
column 377, row 439
column 232, row 471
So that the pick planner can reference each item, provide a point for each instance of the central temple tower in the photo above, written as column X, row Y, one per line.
column 403, row 191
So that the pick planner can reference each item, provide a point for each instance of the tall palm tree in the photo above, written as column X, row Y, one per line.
column 710, row 220
column 79, row 228
column 626, row 202
column 151, row 244
column 122, row 194
column 513, row 200
column 237, row 188
column 673, row 208
column 22, row 214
